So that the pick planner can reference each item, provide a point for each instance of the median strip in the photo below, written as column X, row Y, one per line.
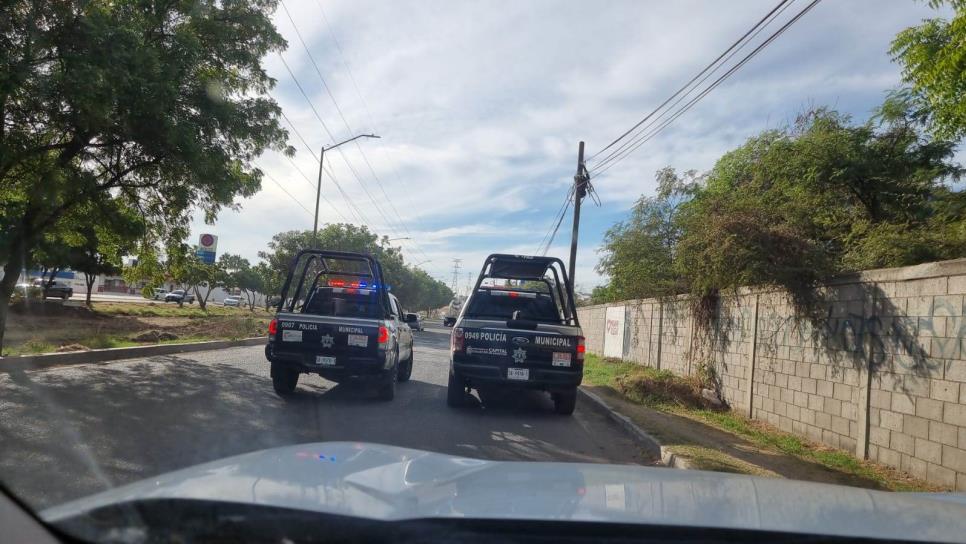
column 21, row 363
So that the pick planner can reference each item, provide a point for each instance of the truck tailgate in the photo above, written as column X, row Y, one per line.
column 514, row 347
column 342, row 338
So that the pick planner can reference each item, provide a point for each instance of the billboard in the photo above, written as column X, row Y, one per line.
column 207, row 245
column 614, row 332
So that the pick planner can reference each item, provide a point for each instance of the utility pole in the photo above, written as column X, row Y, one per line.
column 581, row 181
column 456, row 276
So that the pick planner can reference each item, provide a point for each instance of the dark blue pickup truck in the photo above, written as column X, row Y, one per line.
column 518, row 329
column 336, row 318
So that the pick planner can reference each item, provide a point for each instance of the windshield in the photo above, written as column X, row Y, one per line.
column 651, row 236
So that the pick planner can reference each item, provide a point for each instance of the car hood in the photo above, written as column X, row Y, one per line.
column 392, row 483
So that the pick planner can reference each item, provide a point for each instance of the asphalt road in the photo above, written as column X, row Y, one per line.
column 71, row 431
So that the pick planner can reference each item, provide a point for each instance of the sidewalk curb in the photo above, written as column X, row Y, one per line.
column 651, row 445
column 48, row 360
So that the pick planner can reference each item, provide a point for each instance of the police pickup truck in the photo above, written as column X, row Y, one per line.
column 336, row 318
column 518, row 328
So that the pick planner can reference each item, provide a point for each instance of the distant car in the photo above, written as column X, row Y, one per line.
column 232, row 301
column 179, row 295
column 159, row 294
column 415, row 322
column 56, row 289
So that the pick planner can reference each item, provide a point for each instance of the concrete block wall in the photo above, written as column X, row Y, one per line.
column 880, row 370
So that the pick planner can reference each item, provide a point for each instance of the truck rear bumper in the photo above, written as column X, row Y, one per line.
column 495, row 376
column 347, row 369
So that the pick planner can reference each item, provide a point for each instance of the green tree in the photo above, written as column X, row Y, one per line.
column 269, row 281
column 638, row 254
column 414, row 288
column 933, row 64
column 157, row 108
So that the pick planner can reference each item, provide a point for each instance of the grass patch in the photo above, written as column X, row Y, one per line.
column 661, row 390
column 161, row 309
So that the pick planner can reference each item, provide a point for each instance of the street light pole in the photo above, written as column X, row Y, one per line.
column 318, row 187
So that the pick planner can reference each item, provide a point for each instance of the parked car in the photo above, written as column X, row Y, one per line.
column 338, row 320
column 56, row 289
column 528, row 338
column 415, row 322
column 159, row 294
column 232, row 300
column 179, row 295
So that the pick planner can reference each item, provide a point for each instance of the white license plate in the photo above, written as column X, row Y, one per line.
column 359, row 340
column 291, row 336
column 561, row 359
column 518, row 373
column 322, row 360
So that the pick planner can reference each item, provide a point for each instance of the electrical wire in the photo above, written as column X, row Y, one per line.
column 556, row 228
column 276, row 182
column 558, row 217
column 646, row 136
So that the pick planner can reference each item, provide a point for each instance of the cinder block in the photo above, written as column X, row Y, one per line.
column 842, row 392
column 889, row 457
column 962, row 438
column 954, row 458
column 938, row 475
column 918, row 306
column 961, row 482
column 795, row 383
column 880, row 399
column 956, row 285
column 914, row 385
column 944, row 390
column 903, row 443
column 954, row 414
column 944, row 348
column 809, row 386
column 813, row 433
column 915, row 467
column 943, row 433
column 929, row 409
column 840, row 425
column 824, row 388
column 929, row 451
column 947, row 305
column 807, row 416
column 930, row 326
column 879, row 436
column 801, row 399
column 956, row 371
column 833, row 406
column 915, row 426
column 903, row 403
column 890, row 420
column 817, row 370
column 824, row 420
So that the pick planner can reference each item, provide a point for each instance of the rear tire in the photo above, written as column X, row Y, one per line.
column 387, row 390
column 284, row 380
column 455, row 392
column 406, row 370
column 565, row 402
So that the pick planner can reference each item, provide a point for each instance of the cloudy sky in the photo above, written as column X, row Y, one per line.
column 480, row 107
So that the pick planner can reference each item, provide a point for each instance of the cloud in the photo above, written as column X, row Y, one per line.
column 480, row 108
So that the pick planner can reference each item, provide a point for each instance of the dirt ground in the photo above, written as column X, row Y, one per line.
column 53, row 326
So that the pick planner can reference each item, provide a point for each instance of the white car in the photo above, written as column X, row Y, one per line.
column 232, row 301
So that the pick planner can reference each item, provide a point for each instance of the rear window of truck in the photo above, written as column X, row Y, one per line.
column 342, row 302
column 500, row 304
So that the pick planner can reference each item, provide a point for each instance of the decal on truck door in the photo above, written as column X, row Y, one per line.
column 326, row 340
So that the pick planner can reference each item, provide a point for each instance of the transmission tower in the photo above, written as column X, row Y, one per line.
column 456, row 275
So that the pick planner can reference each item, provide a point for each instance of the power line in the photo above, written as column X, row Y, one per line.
column 341, row 154
column 560, row 212
column 644, row 136
column 557, row 227
column 267, row 175
column 371, row 128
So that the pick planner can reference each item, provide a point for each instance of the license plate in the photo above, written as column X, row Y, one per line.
column 291, row 336
column 518, row 373
column 322, row 360
column 359, row 340
column 561, row 359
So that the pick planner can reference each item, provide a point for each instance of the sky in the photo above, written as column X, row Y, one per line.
column 480, row 107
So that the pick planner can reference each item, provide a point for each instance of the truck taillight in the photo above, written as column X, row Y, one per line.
column 456, row 340
column 273, row 327
column 581, row 349
column 383, row 335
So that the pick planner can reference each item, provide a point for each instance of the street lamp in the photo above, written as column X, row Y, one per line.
column 318, row 188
